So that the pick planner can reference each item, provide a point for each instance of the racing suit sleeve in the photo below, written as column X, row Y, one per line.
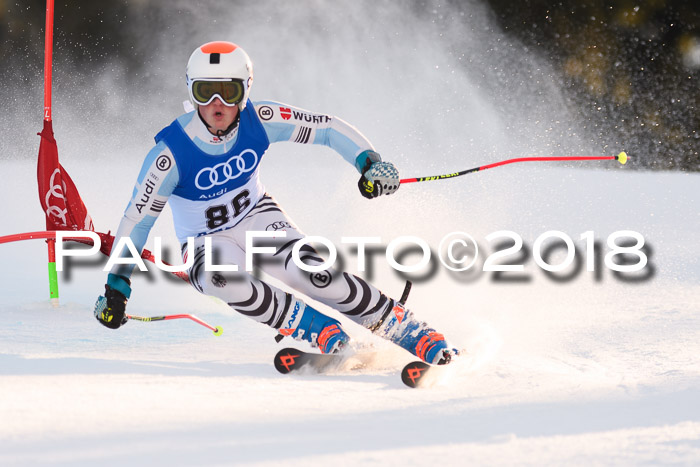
column 283, row 122
column 156, row 182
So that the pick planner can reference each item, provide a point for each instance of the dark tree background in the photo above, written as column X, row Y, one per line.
column 630, row 69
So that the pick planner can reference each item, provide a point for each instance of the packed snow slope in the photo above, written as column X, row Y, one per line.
column 579, row 367
column 584, row 370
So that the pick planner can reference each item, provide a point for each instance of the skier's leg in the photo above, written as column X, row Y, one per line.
column 352, row 296
column 258, row 300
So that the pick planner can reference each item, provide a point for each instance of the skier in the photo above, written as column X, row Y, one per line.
column 206, row 164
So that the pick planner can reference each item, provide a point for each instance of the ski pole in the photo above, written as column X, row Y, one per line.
column 217, row 330
column 621, row 158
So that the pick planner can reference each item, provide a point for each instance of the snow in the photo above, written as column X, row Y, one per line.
column 578, row 372
column 590, row 370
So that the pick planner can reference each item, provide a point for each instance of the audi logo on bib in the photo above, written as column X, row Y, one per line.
column 209, row 177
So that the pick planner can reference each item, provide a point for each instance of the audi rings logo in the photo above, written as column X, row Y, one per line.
column 209, row 177
column 279, row 225
column 57, row 192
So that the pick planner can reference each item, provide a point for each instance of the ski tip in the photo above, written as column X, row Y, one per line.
column 218, row 331
column 621, row 158
column 288, row 359
column 413, row 373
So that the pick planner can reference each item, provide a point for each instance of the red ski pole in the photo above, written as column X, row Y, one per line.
column 621, row 158
column 217, row 330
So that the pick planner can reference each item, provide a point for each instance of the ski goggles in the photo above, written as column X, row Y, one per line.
column 231, row 91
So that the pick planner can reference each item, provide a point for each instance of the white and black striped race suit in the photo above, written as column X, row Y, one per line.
column 214, row 190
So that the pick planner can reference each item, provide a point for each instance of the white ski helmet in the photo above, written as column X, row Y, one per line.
column 219, row 69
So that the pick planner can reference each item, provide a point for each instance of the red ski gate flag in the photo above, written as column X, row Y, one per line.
column 58, row 195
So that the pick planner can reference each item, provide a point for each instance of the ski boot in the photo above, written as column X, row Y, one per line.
column 400, row 326
column 319, row 330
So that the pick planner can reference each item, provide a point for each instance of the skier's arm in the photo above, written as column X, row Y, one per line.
column 283, row 122
column 155, row 183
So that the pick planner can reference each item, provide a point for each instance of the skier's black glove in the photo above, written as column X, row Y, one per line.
column 378, row 178
column 110, row 309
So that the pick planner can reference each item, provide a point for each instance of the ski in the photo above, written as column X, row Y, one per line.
column 289, row 359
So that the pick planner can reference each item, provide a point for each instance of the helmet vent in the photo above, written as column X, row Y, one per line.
column 214, row 59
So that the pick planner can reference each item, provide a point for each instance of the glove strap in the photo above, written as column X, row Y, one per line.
column 365, row 159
